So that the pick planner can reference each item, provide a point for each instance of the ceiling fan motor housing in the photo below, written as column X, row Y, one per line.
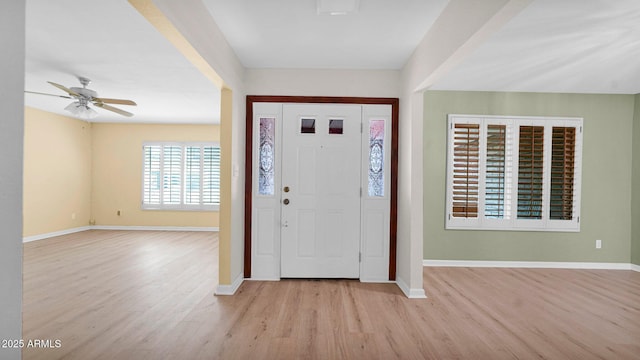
column 88, row 93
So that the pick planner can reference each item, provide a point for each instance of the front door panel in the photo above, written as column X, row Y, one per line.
column 321, row 188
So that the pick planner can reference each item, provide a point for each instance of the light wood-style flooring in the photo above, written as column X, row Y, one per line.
column 149, row 295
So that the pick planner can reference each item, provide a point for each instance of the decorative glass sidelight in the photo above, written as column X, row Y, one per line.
column 376, row 158
column 266, row 175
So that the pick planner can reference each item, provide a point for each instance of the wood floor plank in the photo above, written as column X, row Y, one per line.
column 149, row 295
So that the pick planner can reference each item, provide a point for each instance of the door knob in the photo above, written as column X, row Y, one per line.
column 285, row 201
column 286, row 189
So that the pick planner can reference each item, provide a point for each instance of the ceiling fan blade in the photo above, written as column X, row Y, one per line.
column 114, row 109
column 39, row 93
column 115, row 101
column 64, row 88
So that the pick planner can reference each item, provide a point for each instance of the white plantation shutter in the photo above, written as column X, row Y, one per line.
column 525, row 166
column 497, row 203
column 193, row 175
column 181, row 176
column 211, row 179
column 530, row 172
column 466, row 157
column 563, row 159
column 171, row 175
column 152, row 183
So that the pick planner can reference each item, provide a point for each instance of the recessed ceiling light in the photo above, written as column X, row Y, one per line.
column 337, row 7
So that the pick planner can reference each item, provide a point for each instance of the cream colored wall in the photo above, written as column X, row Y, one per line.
column 57, row 173
column 117, row 173
column 75, row 172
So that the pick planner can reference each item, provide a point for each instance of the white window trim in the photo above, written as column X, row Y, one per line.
column 182, row 206
column 515, row 224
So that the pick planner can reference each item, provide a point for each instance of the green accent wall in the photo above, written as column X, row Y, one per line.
column 635, row 202
column 606, row 179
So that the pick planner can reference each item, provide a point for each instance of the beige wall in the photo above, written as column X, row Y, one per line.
column 57, row 173
column 77, row 172
column 117, row 172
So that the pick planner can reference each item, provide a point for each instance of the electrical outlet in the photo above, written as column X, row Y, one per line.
column 598, row 244
column 73, row 216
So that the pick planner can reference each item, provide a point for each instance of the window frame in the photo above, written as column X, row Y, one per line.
column 513, row 223
column 182, row 206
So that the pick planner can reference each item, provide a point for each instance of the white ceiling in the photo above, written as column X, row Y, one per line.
column 110, row 43
column 381, row 34
column 575, row 46
column 589, row 46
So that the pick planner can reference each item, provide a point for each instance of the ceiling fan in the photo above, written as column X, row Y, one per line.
column 84, row 97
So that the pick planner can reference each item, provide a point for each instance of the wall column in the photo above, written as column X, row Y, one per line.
column 226, row 122
column 12, row 38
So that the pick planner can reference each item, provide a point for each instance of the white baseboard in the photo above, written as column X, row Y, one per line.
column 230, row 289
column 154, row 228
column 528, row 264
column 635, row 267
column 116, row 227
column 54, row 234
column 262, row 279
column 417, row 293
column 376, row 281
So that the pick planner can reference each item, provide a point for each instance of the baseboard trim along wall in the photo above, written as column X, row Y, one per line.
column 531, row 264
column 411, row 293
column 54, row 234
column 262, row 279
column 154, row 228
column 116, row 227
column 230, row 289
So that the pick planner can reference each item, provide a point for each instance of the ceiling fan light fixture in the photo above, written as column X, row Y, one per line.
column 85, row 97
column 81, row 110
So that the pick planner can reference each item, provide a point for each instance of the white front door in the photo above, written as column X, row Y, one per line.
column 321, row 186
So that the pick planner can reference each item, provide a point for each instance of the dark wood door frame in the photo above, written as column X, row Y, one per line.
column 248, row 186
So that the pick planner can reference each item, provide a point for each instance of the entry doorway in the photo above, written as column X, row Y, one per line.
column 320, row 207
column 320, row 190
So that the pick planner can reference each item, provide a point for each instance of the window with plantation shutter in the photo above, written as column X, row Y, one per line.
column 211, row 173
column 171, row 175
column 530, row 172
column 497, row 166
column 466, row 155
column 563, row 149
column 151, row 179
column 193, row 180
column 513, row 173
column 181, row 176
